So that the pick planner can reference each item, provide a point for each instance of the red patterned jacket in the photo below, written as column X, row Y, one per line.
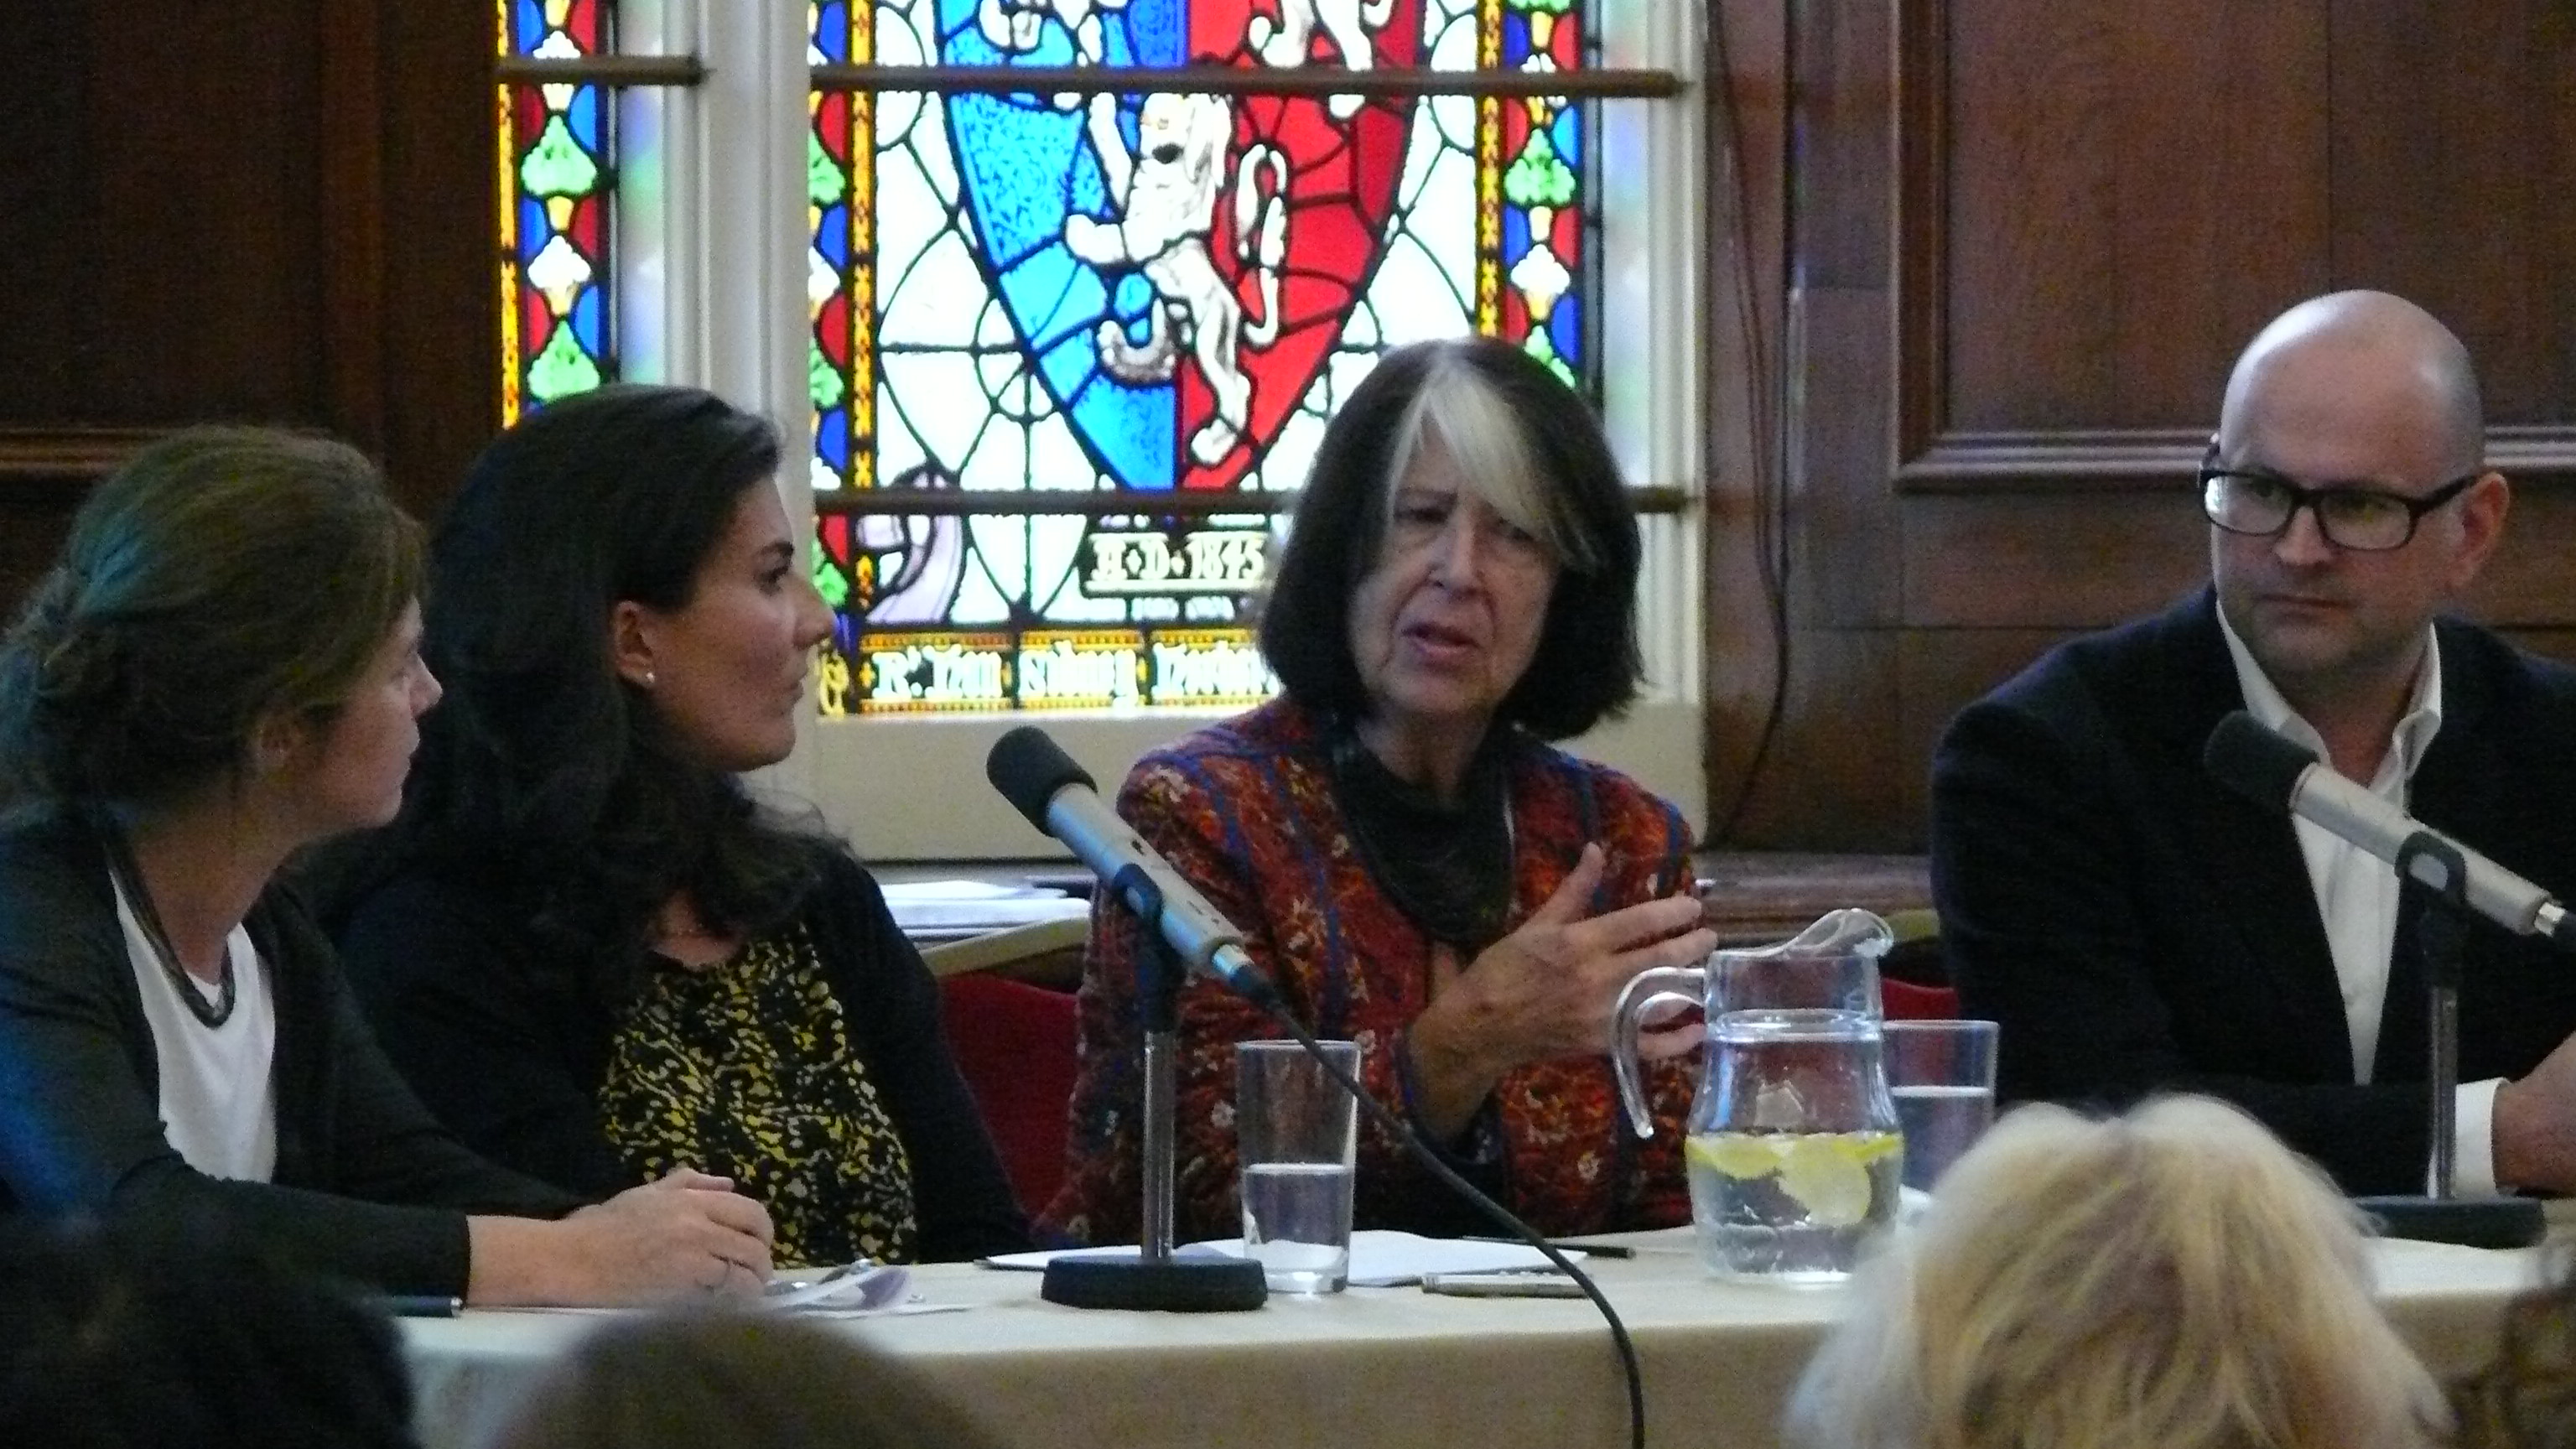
column 1245, row 811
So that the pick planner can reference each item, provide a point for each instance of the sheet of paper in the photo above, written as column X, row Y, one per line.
column 936, row 905
column 1380, row 1257
column 960, row 890
column 860, row 1287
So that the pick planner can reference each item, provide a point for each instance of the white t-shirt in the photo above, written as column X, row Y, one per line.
column 218, row 1094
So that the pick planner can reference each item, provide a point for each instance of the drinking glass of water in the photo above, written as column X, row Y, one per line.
column 1296, row 1136
column 1942, row 1075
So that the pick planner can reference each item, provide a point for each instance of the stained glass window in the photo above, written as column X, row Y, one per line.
column 1053, row 292
column 556, row 186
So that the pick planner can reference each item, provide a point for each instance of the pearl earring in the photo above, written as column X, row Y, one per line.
column 651, row 679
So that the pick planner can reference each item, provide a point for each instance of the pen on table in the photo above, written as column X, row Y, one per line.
column 1598, row 1250
column 420, row 1305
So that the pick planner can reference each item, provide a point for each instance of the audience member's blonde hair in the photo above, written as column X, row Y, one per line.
column 745, row 1380
column 2170, row 1279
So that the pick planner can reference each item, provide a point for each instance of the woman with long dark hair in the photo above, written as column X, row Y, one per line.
column 222, row 669
column 589, row 949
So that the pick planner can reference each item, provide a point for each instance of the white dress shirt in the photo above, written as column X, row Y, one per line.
column 2358, row 893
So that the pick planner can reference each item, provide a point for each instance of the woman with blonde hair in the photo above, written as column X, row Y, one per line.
column 2173, row 1278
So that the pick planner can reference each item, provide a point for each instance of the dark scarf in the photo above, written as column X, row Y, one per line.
column 1447, row 867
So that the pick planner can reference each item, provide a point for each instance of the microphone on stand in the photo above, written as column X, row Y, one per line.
column 1043, row 783
column 1182, row 933
column 2276, row 773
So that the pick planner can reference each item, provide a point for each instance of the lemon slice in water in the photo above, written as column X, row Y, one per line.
column 1829, row 1174
column 1738, row 1155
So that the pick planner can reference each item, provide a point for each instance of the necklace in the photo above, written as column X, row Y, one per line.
column 129, row 879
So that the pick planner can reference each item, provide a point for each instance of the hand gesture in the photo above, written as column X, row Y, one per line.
column 1549, row 989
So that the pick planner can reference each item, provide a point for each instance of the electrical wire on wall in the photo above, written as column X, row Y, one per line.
column 1763, row 414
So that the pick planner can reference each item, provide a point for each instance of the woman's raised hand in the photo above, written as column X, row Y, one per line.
column 1546, row 990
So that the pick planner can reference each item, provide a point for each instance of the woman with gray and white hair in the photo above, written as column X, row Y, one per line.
column 1409, row 856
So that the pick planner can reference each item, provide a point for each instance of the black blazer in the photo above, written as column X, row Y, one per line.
column 2136, row 926
column 513, row 1058
column 367, row 1187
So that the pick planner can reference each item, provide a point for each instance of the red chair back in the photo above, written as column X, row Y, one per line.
column 1014, row 1043
column 1908, row 1001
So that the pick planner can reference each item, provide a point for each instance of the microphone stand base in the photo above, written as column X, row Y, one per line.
column 1179, row 1285
column 2478, row 1222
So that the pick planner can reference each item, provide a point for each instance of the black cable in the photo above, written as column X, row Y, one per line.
column 1762, row 421
column 1490, row 1208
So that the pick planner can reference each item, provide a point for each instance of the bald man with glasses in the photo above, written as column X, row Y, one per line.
column 2136, row 927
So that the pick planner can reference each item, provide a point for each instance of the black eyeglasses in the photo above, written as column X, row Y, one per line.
column 2367, row 520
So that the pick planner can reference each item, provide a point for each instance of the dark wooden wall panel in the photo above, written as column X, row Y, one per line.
column 194, row 279
column 438, row 323
column 2093, row 205
column 1837, row 766
column 2218, row 158
column 1745, row 139
column 1939, row 672
column 2532, row 578
column 41, row 218
column 1837, row 540
column 1843, row 85
column 2049, row 561
column 2114, row 195
column 31, row 521
column 2031, row 237
column 2454, row 175
column 278, row 211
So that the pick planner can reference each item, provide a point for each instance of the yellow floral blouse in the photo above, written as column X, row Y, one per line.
column 744, row 1069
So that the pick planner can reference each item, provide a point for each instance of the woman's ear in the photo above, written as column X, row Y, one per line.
column 276, row 740
column 630, row 643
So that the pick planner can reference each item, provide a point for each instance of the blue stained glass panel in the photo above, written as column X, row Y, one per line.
column 583, row 116
column 586, row 318
column 534, row 229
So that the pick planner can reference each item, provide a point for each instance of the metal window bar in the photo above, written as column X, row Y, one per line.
column 688, row 70
column 1117, row 502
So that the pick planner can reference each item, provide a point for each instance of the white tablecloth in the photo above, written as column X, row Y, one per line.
column 1383, row 1366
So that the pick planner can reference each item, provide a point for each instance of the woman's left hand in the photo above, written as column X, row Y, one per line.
column 1546, row 990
